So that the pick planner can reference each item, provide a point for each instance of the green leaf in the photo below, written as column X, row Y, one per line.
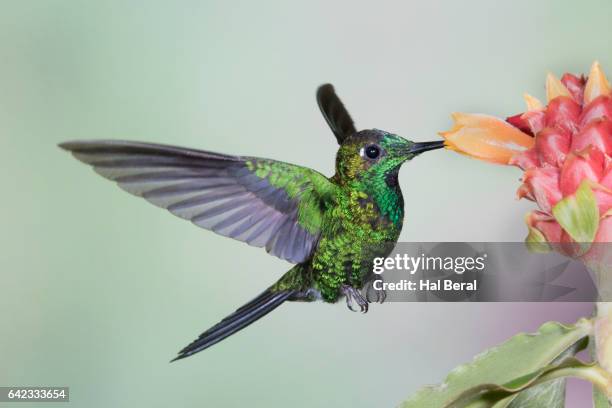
column 494, row 395
column 550, row 394
column 521, row 355
column 578, row 214
column 536, row 241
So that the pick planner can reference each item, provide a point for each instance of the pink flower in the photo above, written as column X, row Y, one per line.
column 565, row 151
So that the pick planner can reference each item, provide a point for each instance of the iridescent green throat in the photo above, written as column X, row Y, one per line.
column 385, row 193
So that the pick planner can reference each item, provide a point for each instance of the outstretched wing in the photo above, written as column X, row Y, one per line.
column 335, row 113
column 262, row 202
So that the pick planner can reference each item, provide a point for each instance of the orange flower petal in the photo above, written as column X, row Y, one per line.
column 555, row 88
column 532, row 102
column 486, row 138
column 596, row 85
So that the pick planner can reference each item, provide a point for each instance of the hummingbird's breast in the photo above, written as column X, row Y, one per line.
column 360, row 228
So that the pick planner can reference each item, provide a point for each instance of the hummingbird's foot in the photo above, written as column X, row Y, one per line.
column 353, row 296
column 373, row 295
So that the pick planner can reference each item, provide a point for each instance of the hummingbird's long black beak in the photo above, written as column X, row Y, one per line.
column 418, row 148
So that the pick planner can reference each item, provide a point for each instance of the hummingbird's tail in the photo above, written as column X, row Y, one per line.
column 241, row 318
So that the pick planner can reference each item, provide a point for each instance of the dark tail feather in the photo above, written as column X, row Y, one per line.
column 241, row 318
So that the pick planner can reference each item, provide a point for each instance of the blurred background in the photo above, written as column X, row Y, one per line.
column 99, row 289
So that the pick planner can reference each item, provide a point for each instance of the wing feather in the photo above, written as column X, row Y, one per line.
column 253, row 200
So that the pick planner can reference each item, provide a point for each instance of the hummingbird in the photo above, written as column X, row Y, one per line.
column 330, row 228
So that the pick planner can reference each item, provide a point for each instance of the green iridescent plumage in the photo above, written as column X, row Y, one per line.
column 331, row 228
column 308, row 186
column 366, row 215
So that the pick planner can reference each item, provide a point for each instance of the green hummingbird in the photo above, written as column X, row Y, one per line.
column 330, row 228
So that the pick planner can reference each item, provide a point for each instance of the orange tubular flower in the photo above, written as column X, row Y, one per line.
column 486, row 138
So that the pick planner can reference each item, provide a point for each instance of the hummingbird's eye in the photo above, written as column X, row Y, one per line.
column 372, row 151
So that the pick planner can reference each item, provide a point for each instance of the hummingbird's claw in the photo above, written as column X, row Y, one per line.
column 381, row 296
column 373, row 295
column 354, row 296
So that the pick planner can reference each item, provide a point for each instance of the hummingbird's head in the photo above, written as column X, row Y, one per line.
column 375, row 153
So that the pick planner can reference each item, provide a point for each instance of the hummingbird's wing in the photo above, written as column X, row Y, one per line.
column 335, row 113
column 262, row 202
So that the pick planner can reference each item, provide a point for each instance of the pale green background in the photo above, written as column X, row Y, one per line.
column 99, row 289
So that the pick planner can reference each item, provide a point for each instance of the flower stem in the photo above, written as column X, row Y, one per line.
column 603, row 343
